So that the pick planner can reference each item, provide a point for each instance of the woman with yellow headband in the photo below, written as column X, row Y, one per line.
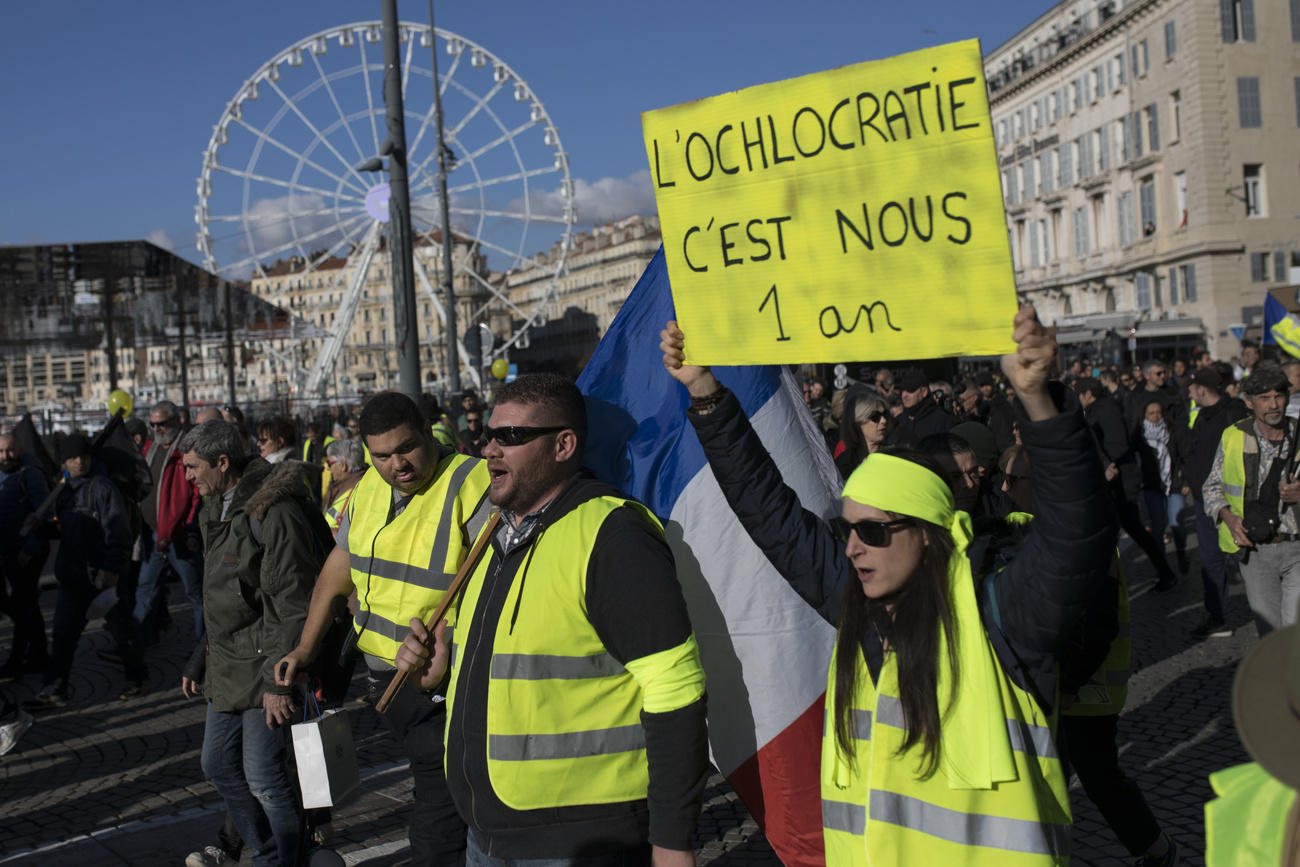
column 941, row 697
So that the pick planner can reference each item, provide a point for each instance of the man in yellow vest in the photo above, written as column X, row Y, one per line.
column 576, row 711
column 406, row 530
column 1233, row 495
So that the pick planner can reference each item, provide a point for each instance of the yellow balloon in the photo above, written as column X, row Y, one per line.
column 500, row 368
column 120, row 400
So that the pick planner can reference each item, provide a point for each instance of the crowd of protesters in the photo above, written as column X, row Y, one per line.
column 980, row 515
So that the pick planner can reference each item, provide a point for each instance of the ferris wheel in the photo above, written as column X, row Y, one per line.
column 282, row 177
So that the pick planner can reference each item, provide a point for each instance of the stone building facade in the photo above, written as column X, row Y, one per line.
column 1149, row 166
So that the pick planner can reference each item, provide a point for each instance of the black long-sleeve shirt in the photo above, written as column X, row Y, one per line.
column 636, row 607
column 1029, row 604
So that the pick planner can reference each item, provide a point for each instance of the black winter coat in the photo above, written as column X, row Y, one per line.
column 1115, row 444
column 1029, row 604
column 923, row 420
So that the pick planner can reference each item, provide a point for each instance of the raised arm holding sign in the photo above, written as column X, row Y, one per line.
column 854, row 213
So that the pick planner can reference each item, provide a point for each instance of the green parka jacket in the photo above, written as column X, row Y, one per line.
column 255, row 595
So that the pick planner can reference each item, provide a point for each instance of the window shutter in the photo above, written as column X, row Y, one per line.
column 1227, row 21
column 1171, row 45
column 1155, row 126
column 1189, row 283
column 1248, row 20
column 1279, row 265
column 1105, row 146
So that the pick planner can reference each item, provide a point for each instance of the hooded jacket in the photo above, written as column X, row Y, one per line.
column 259, row 565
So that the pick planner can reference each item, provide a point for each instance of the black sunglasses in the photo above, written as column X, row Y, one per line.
column 157, row 424
column 513, row 435
column 873, row 533
column 875, row 416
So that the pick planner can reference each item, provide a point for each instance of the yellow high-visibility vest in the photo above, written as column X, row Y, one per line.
column 402, row 567
column 876, row 811
column 1240, row 474
column 1245, row 826
column 563, row 715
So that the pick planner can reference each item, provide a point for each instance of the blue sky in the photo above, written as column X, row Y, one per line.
column 108, row 107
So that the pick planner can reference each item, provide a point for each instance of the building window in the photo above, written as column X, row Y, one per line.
column 1045, row 171
column 1080, row 232
column 1248, row 107
column 1076, row 160
column 1176, row 114
column 1083, row 156
column 1295, row 20
column 1101, row 143
column 1067, row 169
column 1173, row 286
column 1118, row 63
column 1099, row 219
column 1055, row 233
column 1035, row 117
column 1152, row 117
column 1253, row 184
column 1046, row 240
column 1054, row 105
column 1279, row 265
column 1258, row 267
column 1180, row 199
column 1187, row 273
column 1027, row 180
column 1237, row 18
column 1147, row 203
column 1076, row 96
column 1034, row 260
column 1142, row 281
column 1171, row 43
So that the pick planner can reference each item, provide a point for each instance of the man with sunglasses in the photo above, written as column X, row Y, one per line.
column 170, row 536
column 576, row 703
column 406, row 530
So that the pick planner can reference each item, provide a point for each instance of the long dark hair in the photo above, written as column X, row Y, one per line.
column 920, row 609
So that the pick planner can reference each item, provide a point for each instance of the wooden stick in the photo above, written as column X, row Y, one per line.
column 462, row 575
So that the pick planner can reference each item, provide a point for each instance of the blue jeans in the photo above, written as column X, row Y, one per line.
column 1165, row 510
column 190, row 570
column 639, row 857
column 245, row 761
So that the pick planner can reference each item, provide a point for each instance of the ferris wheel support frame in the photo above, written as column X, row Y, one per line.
column 329, row 354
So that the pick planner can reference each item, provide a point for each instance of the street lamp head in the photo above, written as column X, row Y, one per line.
column 374, row 164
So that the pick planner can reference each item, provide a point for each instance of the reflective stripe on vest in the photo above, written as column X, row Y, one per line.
column 563, row 716
column 402, row 567
column 875, row 810
column 570, row 745
column 967, row 829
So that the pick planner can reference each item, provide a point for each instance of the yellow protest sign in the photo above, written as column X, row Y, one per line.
column 849, row 214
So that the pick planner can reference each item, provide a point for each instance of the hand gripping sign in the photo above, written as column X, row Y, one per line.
column 849, row 214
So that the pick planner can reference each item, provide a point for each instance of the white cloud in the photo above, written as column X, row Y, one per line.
column 600, row 202
column 161, row 238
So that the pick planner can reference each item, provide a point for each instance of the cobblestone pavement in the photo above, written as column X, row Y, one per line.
column 108, row 782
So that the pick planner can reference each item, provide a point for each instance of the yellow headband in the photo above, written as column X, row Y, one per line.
column 893, row 484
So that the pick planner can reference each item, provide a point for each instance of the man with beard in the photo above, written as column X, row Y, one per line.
column 576, row 706
column 406, row 530
column 1235, row 487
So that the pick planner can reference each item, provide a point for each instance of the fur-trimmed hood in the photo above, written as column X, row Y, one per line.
column 264, row 484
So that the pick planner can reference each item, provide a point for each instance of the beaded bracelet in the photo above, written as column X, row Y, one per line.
column 705, row 404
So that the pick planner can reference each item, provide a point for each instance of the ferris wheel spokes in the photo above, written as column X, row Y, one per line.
column 329, row 88
column 293, row 106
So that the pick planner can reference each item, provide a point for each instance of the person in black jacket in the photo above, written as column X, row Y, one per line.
column 95, row 548
column 1027, row 606
column 1122, row 471
column 1215, row 411
column 921, row 417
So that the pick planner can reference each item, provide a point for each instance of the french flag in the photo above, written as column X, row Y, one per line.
column 765, row 651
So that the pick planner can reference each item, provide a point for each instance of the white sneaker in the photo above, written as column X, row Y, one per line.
column 211, row 856
column 11, row 732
